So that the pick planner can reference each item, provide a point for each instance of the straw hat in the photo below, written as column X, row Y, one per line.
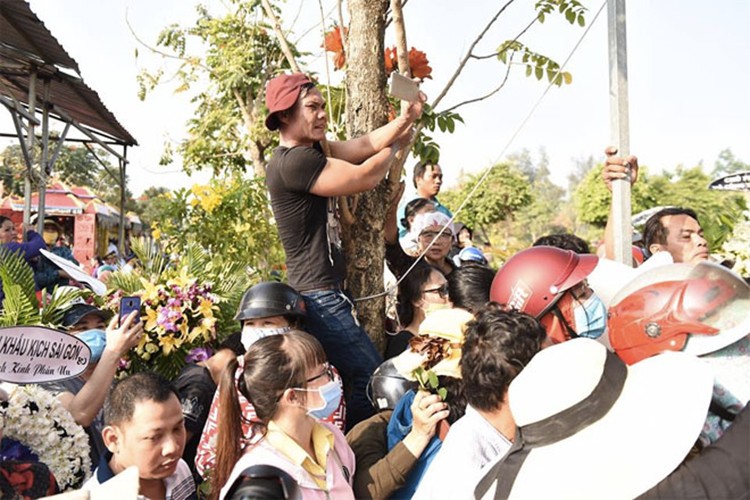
column 447, row 325
column 592, row 427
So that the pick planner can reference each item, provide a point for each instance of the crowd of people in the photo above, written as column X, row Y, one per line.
column 561, row 375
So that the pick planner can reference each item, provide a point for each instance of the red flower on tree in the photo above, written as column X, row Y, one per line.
column 418, row 63
column 333, row 43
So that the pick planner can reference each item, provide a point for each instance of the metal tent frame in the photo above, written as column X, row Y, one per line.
column 38, row 79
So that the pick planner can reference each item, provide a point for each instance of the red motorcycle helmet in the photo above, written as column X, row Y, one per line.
column 680, row 307
column 534, row 280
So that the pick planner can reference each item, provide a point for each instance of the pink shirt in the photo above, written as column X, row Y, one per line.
column 205, row 456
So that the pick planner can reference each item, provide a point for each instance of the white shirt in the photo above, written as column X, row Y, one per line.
column 471, row 444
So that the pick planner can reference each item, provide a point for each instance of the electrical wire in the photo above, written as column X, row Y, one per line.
column 486, row 173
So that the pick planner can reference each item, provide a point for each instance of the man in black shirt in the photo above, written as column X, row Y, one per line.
column 304, row 184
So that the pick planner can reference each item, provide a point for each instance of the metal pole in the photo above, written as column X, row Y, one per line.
column 121, row 233
column 619, row 126
column 29, row 166
column 43, row 164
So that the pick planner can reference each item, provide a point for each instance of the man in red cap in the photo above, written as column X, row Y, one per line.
column 304, row 184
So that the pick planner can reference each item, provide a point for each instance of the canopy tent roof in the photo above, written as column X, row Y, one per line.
column 57, row 203
column 38, row 75
column 27, row 48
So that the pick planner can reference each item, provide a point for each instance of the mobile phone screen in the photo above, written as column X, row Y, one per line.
column 127, row 306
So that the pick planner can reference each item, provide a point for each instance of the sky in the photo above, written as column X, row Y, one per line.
column 687, row 63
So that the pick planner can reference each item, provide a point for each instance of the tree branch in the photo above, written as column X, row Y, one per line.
column 282, row 39
column 339, row 3
column 187, row 60
column 402, row 53
column 486, row 96
column 507, row 72
column 468, row 54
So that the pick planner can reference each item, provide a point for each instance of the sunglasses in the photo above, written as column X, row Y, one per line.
column 441, row 290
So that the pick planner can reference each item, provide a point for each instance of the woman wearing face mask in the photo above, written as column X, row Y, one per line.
column 423, row 290
column 83, row 396
column 46, row 274
column 287, row 379
column 550, row 284
column 266, row 309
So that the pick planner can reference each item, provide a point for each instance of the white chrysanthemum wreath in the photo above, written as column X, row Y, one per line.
column 36, row 419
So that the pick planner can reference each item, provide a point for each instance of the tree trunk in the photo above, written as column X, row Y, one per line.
column 367, row 109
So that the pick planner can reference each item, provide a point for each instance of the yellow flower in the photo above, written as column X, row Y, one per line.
column 150, row 291
column 184, row 327
column 206, row 308
column 151, row 317
column 210, row 202
column 183, row 281
column 204, row 329
column 156, row 233
column 142, row 343
column 168, row 343
column 208, row 197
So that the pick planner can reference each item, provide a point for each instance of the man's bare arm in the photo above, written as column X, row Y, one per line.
column 341, row 178
column 399, row 130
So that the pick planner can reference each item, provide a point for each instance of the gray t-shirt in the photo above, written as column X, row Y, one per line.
column 307, row 223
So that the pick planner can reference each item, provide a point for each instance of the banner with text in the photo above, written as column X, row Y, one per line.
column 34, row 354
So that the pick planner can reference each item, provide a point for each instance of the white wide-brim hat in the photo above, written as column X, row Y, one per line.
column 731, row 367
column 592, row 427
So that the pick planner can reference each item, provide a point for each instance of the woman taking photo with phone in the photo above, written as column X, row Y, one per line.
column 291, row 386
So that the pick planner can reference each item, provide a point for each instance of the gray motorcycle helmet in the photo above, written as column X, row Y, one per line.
column 270, row 298
column 387, row 386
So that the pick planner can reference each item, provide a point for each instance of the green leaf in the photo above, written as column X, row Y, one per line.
column 538, row 72
column 567, row 77
column 441, row 123
column 443, row 393
column 62, row 298
column 15, row 270
column 433, row 379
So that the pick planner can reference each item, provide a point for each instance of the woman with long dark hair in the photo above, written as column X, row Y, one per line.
column 290, row 384
column 423, row 290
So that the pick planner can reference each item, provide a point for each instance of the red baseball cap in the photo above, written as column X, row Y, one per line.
column 281, row 94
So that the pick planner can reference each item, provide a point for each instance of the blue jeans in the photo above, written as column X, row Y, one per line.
column 331, row 320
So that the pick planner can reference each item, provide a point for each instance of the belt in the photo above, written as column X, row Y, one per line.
column 323, row 288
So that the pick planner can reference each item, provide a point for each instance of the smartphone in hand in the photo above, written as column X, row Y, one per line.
column 403, row 88
column 127, row 306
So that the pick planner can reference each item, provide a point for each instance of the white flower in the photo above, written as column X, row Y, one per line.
column 35, row 418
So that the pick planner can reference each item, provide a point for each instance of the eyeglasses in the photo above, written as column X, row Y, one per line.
column 430, row 235
column 441, row 290
column 327, row 370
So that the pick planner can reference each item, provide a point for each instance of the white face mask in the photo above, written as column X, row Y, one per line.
column 251, row 334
